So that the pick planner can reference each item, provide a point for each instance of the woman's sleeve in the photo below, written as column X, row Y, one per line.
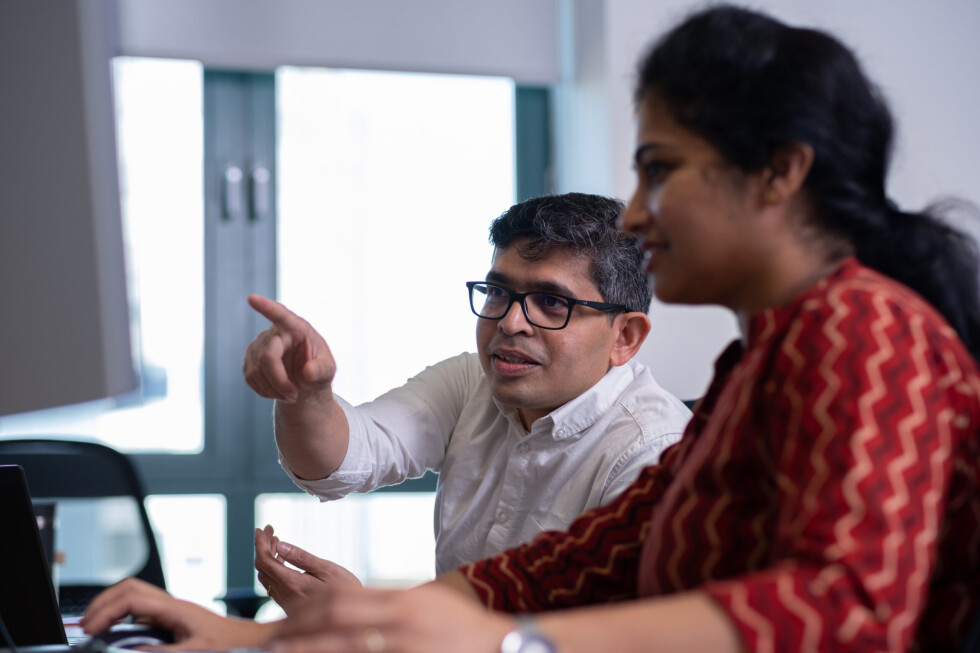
column 863, row 436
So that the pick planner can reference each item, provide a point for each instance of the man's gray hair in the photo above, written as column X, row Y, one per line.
column 587, row 225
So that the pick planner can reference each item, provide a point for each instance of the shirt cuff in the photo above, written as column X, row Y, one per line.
column 345, row 479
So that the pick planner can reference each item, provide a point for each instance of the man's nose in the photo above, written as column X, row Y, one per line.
column 514, row 320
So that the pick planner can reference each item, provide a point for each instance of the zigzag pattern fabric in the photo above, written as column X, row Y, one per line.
column 826, row 493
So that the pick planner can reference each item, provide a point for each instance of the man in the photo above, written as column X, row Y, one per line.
column 550, row 418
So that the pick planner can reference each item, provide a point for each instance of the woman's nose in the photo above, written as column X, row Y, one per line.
column 633, row 217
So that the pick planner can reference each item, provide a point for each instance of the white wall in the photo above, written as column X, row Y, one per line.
column 513, row 38
column 925, row 56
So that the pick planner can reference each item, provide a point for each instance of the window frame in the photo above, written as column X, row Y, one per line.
column 240, row 258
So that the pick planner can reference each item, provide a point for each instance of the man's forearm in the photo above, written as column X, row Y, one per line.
column 312, row 435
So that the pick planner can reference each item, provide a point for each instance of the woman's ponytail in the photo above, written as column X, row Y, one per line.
column 933, row 258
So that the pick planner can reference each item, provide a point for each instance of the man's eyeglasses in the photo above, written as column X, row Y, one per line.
column 544, row 310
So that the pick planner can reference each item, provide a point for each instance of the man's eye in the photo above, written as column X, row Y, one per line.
column 550, row 302
column 494, row 293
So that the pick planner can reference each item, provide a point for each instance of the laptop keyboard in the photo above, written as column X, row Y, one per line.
column 74, row 599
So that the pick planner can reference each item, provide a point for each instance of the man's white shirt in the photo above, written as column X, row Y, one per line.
column 499, row 485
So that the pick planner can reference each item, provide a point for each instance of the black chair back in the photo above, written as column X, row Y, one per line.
column 67, row 469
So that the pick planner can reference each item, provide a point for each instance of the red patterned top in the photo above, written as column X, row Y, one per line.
column 826, row 493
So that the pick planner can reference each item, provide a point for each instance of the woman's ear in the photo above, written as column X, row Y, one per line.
column 631, row 330
column 787, row 171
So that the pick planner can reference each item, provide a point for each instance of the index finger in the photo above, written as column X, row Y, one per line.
column 122, row 599
column 275, row 312
column 277, row 572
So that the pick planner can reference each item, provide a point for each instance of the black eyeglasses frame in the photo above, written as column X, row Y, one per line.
column 521, row 297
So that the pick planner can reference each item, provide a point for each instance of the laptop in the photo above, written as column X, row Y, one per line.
column 28, row 604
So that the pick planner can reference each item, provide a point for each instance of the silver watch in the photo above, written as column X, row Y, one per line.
column 526, row 638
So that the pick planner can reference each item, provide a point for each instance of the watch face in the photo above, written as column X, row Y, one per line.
column 524, row 641
column 536, row 644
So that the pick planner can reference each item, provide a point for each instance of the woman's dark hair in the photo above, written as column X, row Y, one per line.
column 586, row 225
column 749, row 84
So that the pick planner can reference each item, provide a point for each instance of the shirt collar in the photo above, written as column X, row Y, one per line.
column 572, row 419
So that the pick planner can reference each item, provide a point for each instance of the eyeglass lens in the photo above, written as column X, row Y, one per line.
column 542, row 309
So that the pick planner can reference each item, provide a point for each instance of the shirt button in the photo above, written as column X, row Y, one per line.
column 502, row 517
column 560, row 432
column 523, row 447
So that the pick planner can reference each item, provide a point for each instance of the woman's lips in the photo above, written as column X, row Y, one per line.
column 651, row 253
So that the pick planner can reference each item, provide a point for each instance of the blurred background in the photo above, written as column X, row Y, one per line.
column 347, row 159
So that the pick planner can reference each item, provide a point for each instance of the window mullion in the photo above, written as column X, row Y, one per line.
column 243, row 245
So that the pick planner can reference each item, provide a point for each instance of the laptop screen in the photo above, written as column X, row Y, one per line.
column 27, row 600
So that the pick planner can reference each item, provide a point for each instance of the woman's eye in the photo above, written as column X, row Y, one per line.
column 656, row 171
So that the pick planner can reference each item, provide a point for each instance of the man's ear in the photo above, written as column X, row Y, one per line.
column 786, row 173
column 631, row 331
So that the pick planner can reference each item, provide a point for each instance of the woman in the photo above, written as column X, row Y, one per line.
column 825, row 495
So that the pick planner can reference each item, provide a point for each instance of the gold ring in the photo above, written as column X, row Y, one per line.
column 374, row 641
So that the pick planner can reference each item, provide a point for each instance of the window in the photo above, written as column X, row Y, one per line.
column 360, row 532
column 190, row 530
column 389, row 179
column 328, row 189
